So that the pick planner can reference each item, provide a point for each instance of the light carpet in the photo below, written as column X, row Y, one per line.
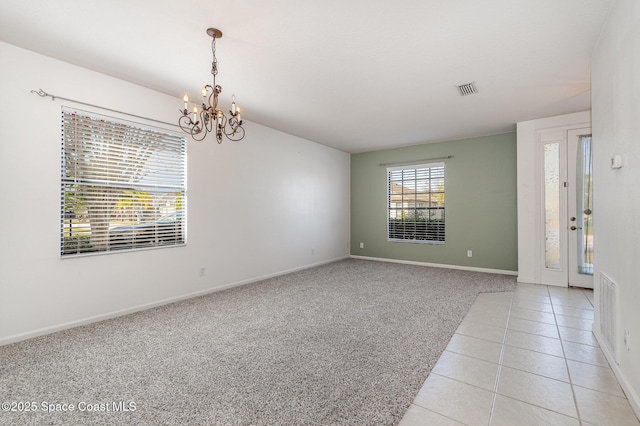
column 350, row 342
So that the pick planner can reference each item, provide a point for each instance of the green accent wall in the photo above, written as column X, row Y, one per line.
column 480, row 200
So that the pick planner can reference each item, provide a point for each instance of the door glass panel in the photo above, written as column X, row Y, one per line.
column 552, row 204
column 584, row 199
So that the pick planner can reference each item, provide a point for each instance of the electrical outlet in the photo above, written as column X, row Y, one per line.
column 469, row 253
column 313, row 251
column 361, row 245
column 626, row 339
column 202, row 270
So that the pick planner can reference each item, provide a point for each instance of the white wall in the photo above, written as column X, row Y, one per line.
column 256, row 208
column 616, row 130
column 530, row 210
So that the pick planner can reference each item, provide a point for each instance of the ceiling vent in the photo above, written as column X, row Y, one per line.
column 467, row 89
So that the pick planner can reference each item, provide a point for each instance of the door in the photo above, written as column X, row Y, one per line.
column 580, row 208
column 566, row 198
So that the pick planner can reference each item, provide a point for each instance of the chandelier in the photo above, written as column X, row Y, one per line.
column 204, row 119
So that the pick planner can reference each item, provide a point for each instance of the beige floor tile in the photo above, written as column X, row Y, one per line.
column 534, row 306
column 532, row 287
column 578, row 336
column 476, row 348
column 468, row 370
column 574, row 312
column 461, row 402
column 510, row 412
column 572, row 291
column 530, row 315
column 550, row 366
column 603, row 409
column 589, row 294
column 418, row 416
column 580, row 302
column 594, row 377
column 532, row 342
column 494, row 315
column 537, row 390
column 494, row 319
column 574, row 322
column 565, row 291
column 492, row 307
column 533, row 382
column 533, row 327
column 481, row 331
column 585, row 353
column 532, row 297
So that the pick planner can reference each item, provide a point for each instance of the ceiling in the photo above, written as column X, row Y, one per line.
column 356, row 75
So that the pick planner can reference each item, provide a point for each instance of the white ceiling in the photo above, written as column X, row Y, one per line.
column 357, row 75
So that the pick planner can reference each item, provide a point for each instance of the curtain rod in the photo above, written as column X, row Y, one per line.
column 44, row 94
column 402, row 163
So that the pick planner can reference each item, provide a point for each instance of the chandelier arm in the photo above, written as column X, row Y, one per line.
column 206, row 119
column 236, row 131
column 185, row 123
column 210, row 93
column 236, row 135
column 198, row 136
column 188, row 126
column 233, row 122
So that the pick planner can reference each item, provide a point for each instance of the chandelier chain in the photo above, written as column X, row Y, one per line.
column 214, row 64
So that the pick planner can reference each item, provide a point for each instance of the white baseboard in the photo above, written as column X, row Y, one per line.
column 629, row 391
column 438, row 265
column 71, row 324
column 526, row 280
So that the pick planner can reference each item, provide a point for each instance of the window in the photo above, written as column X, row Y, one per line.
column 123, row 185
column 415, row 203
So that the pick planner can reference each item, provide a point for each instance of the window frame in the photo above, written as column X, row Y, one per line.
column 429, row 238
column 95, row 149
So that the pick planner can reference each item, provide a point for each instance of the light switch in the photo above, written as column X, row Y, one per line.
column 616, row 161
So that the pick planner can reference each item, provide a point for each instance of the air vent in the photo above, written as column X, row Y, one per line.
column 467, row 89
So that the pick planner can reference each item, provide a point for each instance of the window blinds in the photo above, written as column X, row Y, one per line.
column 415, row 203
column 123, row 185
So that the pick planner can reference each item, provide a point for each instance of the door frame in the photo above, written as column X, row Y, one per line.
column 560, row 277
column 529, row 168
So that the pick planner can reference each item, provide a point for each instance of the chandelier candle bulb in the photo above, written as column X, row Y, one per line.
column 233, row 105
column 204, row 92
column 186, row 101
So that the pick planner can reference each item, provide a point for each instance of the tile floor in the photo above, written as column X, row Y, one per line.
column 523, row 358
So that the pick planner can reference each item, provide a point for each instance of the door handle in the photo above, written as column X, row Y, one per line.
column 573, row 219
column 573, row 228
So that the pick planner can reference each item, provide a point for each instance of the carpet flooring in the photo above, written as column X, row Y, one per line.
column 346, row 343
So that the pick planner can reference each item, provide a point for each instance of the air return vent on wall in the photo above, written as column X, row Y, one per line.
column 467, row 89
column 609, row 309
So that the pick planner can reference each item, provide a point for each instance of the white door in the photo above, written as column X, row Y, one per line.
column 566, row 258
